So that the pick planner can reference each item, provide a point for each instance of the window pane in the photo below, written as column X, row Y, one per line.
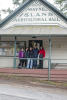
column 7, row 48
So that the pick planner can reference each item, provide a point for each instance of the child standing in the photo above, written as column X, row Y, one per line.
column 21, row 56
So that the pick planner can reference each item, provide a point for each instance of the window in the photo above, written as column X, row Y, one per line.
column 6, row 48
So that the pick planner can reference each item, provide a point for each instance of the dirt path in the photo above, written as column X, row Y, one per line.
column 10, row 90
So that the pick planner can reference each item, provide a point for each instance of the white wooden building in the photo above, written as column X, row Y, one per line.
column 34, row 22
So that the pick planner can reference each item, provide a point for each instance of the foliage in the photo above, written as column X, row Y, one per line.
column 63, row 5
column 7, row 10
column 16, row 2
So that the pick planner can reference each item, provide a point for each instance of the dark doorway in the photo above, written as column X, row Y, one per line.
column 32, row 43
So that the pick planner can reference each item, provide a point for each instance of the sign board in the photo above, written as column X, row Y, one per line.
column 36, row 13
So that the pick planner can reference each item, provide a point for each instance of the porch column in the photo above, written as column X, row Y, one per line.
column 49, row 59
column 15, row 53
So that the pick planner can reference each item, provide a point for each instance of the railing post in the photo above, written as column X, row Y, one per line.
column 15, row 53
column 49, row 60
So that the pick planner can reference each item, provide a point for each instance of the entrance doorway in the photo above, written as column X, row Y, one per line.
column 32, row 43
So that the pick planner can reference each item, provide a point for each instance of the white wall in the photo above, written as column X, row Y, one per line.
column 34, row 30
column 6, row 62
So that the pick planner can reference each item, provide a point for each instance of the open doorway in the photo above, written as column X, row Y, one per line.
column 32, row 43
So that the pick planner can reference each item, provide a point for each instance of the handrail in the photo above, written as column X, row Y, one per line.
column 32, row 58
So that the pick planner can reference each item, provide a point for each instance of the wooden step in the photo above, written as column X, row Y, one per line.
column 56, row 74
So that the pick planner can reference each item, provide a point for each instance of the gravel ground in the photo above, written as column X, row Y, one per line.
column 13, row 91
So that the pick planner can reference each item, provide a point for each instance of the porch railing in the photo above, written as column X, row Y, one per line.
column 51, row 63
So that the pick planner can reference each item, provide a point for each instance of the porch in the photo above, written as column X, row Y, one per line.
column 55, row 47
column 54, row 64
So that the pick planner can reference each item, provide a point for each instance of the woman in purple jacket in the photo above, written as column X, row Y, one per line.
column 21, row 56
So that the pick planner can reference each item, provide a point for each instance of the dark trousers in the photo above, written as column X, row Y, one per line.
column 25, row 62
column 40, row 64
column 21, row 62
column 35, row 63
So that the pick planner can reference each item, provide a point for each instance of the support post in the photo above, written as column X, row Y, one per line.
column 15, row 53
column 49, row 60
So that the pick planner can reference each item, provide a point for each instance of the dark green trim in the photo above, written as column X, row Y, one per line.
column 22, row 6
column 7, row 56
column 49, row 59
column 37, row 35
column 15, row 53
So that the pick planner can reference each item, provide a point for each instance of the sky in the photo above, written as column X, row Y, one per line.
column 8, row 3
column 4, row 4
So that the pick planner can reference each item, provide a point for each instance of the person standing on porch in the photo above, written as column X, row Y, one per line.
column 21, row 56
column 26, row 56
column 41, row 56
column 30, row 60
column 35, row 55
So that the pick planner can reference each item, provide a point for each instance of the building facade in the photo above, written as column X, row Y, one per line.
column 34, row 22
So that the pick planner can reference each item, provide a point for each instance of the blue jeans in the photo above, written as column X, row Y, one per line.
column 35, row 63
column 30, row 63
